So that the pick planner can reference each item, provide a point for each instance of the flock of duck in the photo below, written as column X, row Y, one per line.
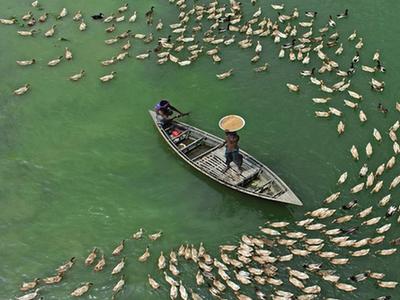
column 257, row 266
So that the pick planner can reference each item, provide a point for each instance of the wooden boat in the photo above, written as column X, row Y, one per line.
column 205, row 152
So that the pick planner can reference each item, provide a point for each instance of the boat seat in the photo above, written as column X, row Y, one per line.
column 248, row 176
column 262, row 188
column 193, row 145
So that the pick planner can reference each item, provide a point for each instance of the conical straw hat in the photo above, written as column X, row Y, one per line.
column 231, row 123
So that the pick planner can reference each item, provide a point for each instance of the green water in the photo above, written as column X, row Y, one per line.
column 82, row 165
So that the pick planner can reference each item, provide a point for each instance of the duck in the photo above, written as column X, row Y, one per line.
column 31, row 22
column 161, row 261
column 356, row 58
column 118, row 268
column 119, row 285
column 145, row 255
column 109, row 19
column 43, row 18
column 8, row 21
column 350, row 104
column 144, row 56
column 343, row 15
column 117, row 251
column 67, row 54
column 111, row 41
column 379, row 67
column 77, row 76
column 170, row 280
column 99, row 16
column 50, row 32
column 81, row 290
column 307, row 73
column 159, row 25
column 26, row 286
column 154, row 284
column 62, row 13
column 126, row 34
column 182, row 291
column 111, row 28
column 155, row 236
column 91, row 257
column 262, row 68
column 362, row 116
column 53, row 279
column 27, row 16
column 311, row 14
column 132, row 18
column 278, row 6
column 77, row 16
column 258, row 48
column 123, row 8
column 383, row 109
column 82, row 26
column 293, row 87
column 138, row 235
column 55, row 62
column 35, row 4
column 387, row 284
column 120, row 19
column 108, row 77
column 331, row 22
column 100, row 264
column 26, row 62
column 225, row 75
column 66, row 266
column 26, row 32
column 149, row 15
column 22, row 90
column 148, row 39
column 360, row 44
column 173, row 293
column 126, row 46
column 29, row 296
column 109, row 61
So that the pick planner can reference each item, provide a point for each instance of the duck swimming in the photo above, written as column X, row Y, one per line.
column 99, row 16
column 343, row 15
column 82, row 289
column 26, row 62
column 78, row 76
column 22, row 90
column 26, row 286
column 55, row 62
column 108, row 77
column 77, row 16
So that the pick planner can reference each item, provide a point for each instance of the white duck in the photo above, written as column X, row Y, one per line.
column 54, row 62
column 78, row 76
column 26, row 62
column 22, row 90
column 67, row 54
column 108, row 77
column 225, row 75
column 62, row 13
column 143, row 55
column 50, row 32
column 82, row 26
column 132, row 19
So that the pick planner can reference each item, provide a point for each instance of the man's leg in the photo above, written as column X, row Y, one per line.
column 229, row 159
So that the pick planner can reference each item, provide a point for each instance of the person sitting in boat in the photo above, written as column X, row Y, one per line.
column 232, row 150
column 164, row 111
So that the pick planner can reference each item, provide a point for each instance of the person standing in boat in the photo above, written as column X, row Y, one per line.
column 232, row 150
column 164, row 111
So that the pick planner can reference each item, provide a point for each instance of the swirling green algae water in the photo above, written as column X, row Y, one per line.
column 82, row 165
